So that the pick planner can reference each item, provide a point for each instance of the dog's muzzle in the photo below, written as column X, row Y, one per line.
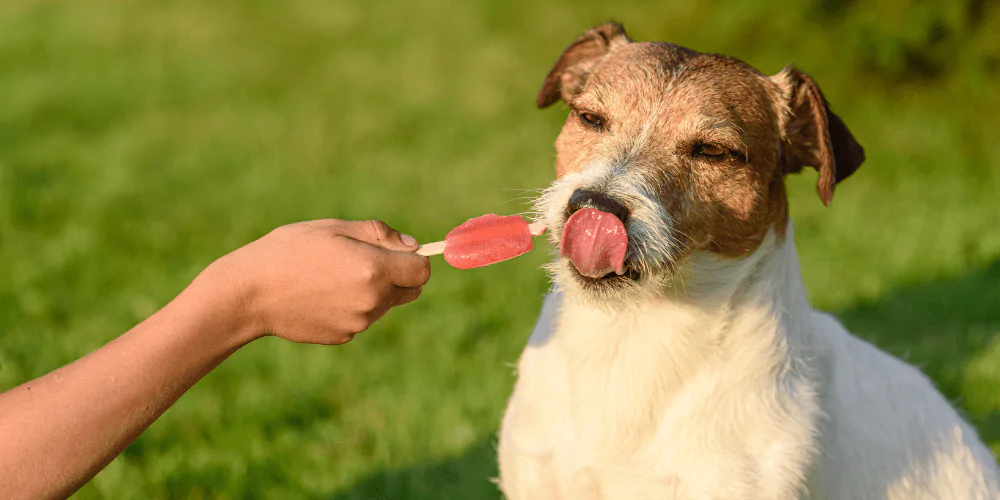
column 594, row 237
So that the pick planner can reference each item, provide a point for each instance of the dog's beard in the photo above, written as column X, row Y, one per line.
column 653, row 245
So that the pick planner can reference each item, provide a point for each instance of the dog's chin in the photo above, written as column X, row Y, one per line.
column 611, row 281
column 611, row 290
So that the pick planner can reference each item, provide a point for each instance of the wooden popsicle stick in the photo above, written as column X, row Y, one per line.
column 429, row 249
column 437, row 248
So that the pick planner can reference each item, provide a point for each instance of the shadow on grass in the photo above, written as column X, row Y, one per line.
column 939, row 326
column 465, row 477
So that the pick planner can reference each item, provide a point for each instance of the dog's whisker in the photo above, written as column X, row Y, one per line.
column 525, row 190
column 522, row 199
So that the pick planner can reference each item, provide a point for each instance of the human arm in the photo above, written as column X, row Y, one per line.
column 315, row 282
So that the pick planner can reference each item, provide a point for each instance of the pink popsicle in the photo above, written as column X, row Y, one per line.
column 485, row 240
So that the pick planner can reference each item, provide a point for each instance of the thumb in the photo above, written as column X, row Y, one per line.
column 378, row 233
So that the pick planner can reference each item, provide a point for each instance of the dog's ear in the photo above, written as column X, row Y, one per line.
column 570, row 71
column 813, row 135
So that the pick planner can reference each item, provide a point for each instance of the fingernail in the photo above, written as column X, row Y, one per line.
column 408, row 240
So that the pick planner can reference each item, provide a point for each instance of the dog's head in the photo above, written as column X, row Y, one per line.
column 687, row 151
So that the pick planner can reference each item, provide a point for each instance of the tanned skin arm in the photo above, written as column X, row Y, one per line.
column 317, row 282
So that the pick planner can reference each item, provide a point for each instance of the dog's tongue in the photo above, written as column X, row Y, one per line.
column 595, row 242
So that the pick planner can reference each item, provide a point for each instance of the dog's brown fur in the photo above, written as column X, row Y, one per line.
column 714, row 135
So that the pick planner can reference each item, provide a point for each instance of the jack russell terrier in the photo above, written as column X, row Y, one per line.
column 677, row 355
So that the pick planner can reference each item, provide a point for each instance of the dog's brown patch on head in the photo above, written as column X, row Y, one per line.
column 710, row 134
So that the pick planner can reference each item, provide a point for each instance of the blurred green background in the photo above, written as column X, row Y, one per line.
column 141, row 140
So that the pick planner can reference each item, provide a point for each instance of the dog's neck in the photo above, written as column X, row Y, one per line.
column 731, row 325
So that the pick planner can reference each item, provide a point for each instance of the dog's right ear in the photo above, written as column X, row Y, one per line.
column 570, row 72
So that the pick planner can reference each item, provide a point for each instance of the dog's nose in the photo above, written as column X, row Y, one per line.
column 586, row 198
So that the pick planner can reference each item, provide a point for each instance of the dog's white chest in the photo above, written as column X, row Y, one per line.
column 608, row 420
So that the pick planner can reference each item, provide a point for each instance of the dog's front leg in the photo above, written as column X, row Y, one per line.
column 525, row 473
column 526, row 477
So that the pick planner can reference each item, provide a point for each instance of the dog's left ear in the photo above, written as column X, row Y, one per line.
column 813, row 135
column 570, row 71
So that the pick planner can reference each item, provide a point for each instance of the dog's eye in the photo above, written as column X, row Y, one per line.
column 592, row 119
column 710, row 151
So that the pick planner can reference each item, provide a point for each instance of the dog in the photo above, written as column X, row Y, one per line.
column 677, row 356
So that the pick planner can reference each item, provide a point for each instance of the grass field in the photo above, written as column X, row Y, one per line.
column 139, row 141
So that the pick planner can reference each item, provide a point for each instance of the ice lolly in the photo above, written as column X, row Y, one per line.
column 485, row 240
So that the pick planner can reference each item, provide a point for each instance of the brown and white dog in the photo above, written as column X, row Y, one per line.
column 677, row 355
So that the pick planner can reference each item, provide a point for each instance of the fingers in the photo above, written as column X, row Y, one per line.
column 403, row 267
column 405, row 295
column 396, row 296
column 408, row 270
column 378, row 233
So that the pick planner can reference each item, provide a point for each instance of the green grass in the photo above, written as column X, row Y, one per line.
column 139, row 141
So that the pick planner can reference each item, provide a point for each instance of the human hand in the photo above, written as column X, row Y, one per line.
column 321, row 282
